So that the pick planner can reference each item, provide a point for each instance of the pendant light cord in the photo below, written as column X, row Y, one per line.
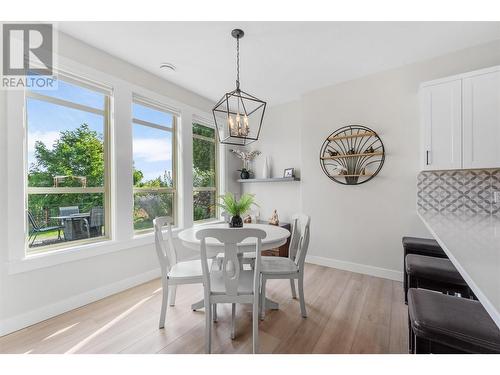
column 237, row 63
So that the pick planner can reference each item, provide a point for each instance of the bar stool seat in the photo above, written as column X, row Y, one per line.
column 422, row 246
column 435, row 269
column 436, row 274
column 440, row 323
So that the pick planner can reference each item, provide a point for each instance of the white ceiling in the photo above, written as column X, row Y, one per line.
column 279, row 60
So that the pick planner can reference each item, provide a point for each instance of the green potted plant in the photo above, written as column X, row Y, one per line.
column 236, row 208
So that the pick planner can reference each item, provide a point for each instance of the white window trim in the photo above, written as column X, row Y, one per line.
column 108, row 141
column 120, row 176
column 165, row 108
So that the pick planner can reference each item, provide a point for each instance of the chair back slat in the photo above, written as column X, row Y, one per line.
column 231, row 269
column 232, row 266
column 96, row 217
column 299, row 243
column 303, row 247
column 32, row 221
column 67, row 211
column 294, row 239
column 165, row 249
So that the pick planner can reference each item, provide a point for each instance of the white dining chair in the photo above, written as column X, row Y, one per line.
column 231, row 284
column 173, row 272
column 291, row 267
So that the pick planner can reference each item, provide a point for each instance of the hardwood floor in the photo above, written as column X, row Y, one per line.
column 347, row 313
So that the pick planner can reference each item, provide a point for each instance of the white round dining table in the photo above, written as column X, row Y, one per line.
column 275, row 237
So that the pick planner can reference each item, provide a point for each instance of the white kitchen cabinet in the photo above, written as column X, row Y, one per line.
column 442, row 123
column 481, row 121
column 460, row 119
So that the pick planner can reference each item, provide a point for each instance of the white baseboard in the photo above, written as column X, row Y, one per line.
column 356, row 267
column 43, row 313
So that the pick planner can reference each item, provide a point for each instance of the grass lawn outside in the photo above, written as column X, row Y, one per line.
column 143, row 224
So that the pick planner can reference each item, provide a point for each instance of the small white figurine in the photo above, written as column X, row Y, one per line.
column 274, row 220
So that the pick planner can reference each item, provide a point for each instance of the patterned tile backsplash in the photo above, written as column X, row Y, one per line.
column 459, row 191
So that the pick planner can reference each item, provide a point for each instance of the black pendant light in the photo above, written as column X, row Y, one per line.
column 238, row 115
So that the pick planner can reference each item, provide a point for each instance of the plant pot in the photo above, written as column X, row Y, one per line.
column 244, row 174
column 236, row 222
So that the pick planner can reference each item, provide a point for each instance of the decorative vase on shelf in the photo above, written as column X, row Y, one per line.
column 244, row 174
column 236, row 222
column 266, row 168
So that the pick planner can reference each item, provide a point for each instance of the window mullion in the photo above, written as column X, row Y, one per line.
column 65, row 190
column 203, row 138
column 151, row 125
column 64, row 103
column 205, row 188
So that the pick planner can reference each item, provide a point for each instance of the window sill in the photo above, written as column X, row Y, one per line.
column 207, row 222
column 79, row 252
column 148, row 236
column 89, row 250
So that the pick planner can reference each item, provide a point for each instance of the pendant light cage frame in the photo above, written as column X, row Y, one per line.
column 238, row 115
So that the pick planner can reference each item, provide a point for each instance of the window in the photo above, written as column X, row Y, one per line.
column 205, row 176
column 154, row 152
column 67, row 164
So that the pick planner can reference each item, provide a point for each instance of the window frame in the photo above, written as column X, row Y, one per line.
column 152, row 104
column 106, row 112
column 123, row 239
column 215, row 189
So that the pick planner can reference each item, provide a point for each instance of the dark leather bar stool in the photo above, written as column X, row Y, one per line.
column 444, row 324
column 436, row 274
column 420, row 246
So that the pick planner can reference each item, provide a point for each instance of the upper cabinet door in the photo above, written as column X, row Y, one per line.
column 442, row 125
column 481, row 111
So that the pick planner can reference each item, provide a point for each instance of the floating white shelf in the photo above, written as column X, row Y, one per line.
column 276, row 179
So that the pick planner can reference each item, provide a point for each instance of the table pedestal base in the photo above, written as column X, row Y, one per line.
column 271, row 305
column 198, row 305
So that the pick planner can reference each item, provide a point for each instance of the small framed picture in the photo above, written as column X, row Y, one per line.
column 288, row 173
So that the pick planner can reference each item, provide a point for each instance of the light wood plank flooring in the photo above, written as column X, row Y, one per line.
column 348, row 313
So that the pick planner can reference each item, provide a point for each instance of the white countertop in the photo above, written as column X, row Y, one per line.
column 473, row 245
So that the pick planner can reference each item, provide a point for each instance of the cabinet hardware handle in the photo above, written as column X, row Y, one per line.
column 427, row 157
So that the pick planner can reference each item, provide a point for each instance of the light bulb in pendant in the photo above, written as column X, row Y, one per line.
column 232, row 127
column 246, row 127
column 238, row 124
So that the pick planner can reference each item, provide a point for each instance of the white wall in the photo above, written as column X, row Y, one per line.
column 280, row 142
column 28, row 297
column 358, row 227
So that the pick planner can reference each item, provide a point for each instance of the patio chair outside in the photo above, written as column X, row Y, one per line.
column 36, row 229
column 96, row 221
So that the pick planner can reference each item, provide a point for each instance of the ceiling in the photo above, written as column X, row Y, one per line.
column 279, row 60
